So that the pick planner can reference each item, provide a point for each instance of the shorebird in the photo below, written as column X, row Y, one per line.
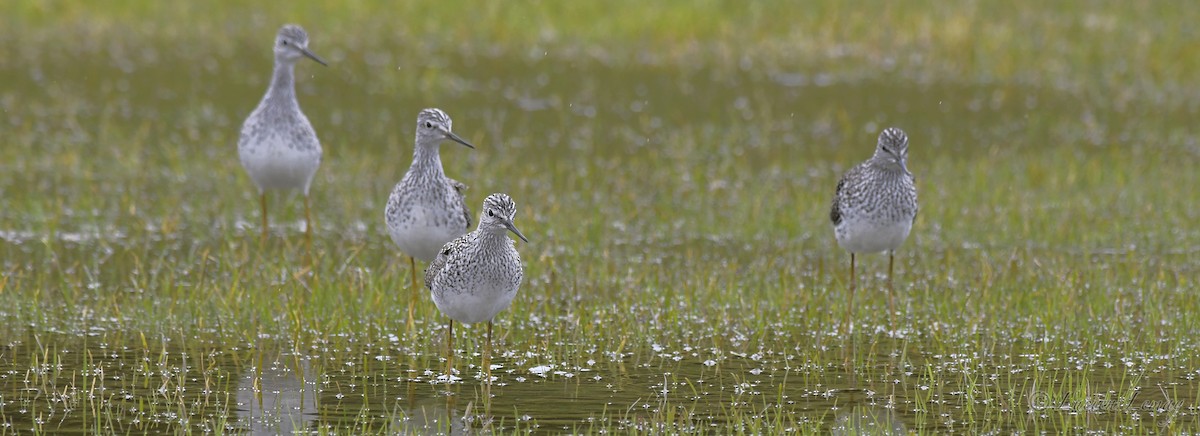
column 875, row 205
column 476, row 276
column 278, row 147
column 427, row 209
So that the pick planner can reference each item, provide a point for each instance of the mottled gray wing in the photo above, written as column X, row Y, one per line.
column 461, row 189
column 846, row 191
column 916, row 206
column 438, row 263
column 442, row 258
column 835, row 212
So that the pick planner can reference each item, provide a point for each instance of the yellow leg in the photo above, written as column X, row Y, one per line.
column 308, row 232
column 850, row 303
column 487, row 357
column 412, row 300
column 262, row 200
column 849, row 349
column 450, row 352
column 891, row 290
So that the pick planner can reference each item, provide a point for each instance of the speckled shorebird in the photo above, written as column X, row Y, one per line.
column 875, row 206
column 427, row 209
column 476, row 276
column 278, row 146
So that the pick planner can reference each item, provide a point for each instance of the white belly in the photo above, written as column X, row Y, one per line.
column 418, row 235
column 865, row 236
column 479, row 306
column 273, row 164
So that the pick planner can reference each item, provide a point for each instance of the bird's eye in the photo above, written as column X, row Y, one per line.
column 490, row 213
column 428, row 125
column 283, row 42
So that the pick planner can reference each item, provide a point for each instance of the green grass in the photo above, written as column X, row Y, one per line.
column 672, row 163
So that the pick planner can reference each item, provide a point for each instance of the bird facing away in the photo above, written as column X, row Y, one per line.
column 278, row 147
column 476, row 275
column 427, row 209
column 875, row 205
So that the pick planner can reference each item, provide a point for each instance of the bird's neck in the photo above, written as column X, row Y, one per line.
column 491, row 238
column 283, row 83
column 427, row 161
column 884, row 166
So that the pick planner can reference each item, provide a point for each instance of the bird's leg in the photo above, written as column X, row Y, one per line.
column 412, row 300
column 308, row 232
column 850, row 304
column 849, row 348
column 262, row 200
column 487, row 357
column 450, row 352
column 891, row 290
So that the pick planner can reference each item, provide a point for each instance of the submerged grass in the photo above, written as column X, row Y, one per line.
column 672, row 163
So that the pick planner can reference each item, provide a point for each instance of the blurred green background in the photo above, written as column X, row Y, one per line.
column 672, row 163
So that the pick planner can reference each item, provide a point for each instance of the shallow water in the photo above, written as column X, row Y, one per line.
column 682, row 275
column 89, row 385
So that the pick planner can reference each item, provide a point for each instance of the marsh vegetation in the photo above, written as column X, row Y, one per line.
column 673, row 164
